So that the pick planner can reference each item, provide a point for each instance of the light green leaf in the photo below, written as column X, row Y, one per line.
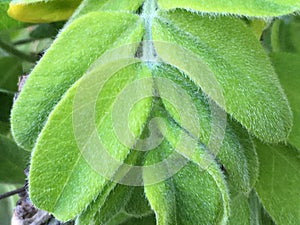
column 11, row 69
column 13, row 161
column 190, row 197
column 228, row 48
column 288, row 69
column 74, row 182
column 236, row 151
column 196, row 194
column 42, row 11
column 71, row 56
column 239, row 7
column 279, row 181
column 88, row 6
column 107, row 205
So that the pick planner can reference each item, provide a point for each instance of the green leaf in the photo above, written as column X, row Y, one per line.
column 190, row 197
column 5, row 21
column 13, row 162
column 7, row 205
column 88, row 6
column 197, row 193
column 11, row 69
column 227, row 48
column 279, row 181
column 106, row 206
column 74, row 182
column 258, row 213
column 239, row 7
column 105, row 30
column 287, row 67
column 240, row 210
column 147, row 220
column 285, row 34
column 42, row 11
column 6, row 99
column 235, row 151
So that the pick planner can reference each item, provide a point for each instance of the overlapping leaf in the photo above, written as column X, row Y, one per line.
column 69, row 57
column 278, row 183
column 239, row 7
column 74, row 183
column 250, row 88
column 5, row 21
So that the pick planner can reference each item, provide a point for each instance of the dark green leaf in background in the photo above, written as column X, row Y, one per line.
column 279, row 181
column 13, row 162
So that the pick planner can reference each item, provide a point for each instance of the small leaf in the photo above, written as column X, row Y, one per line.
column 239, row 7
column 288, row 69
column 228, row 50
column 76, row 48
column 42, row 11
column 13, row 161
column 279, row 181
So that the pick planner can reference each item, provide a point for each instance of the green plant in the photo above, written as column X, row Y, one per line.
column 210, row 87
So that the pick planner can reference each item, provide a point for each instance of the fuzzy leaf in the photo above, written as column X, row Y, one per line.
column 42, row 11
column 13, row 162
column 238, row 7
column 288, row 69
column 88, row 6
column 240, row 210
column 190, row 197
column 236, row 151
column 74, row 182
column 197, row 193
column 47, row 83
column 227, row 47
column 279, row 181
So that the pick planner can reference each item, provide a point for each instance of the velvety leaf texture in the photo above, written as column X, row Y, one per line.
column 106, row 30
column 251, row 90
column 278, row 183
column 72, row 179
column 239, row 7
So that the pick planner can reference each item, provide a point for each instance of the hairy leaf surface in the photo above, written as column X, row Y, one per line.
column 55, row 73
column 251, row 91
column 239, row 7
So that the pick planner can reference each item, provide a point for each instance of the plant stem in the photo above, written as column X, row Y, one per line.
column 14, row 192
column 8, row 48
column 148, row 14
